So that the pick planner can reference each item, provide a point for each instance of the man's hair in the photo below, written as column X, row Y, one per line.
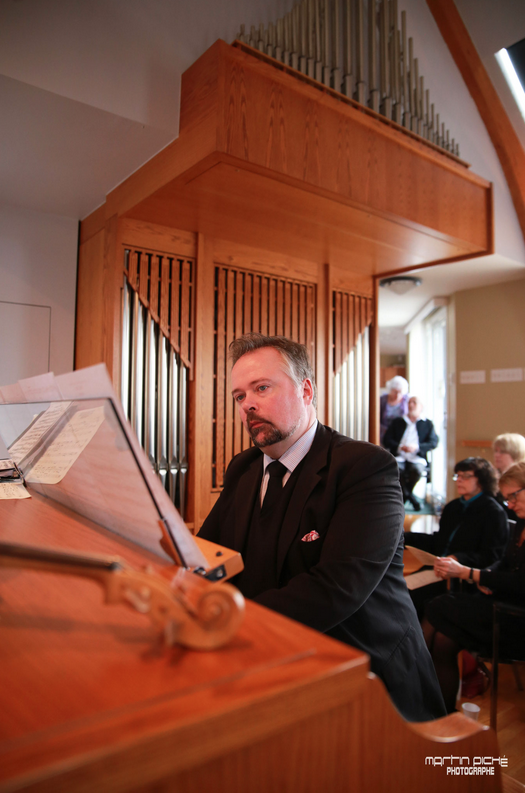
column 294, row 354
column 484, row 472
column 516, row 473
column 511, row 443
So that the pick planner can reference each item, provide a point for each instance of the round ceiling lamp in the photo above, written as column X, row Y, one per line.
column 400, row 284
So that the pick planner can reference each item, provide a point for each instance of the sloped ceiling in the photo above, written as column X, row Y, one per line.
column 89, row 91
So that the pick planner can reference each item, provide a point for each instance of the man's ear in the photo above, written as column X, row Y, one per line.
column 308, row 391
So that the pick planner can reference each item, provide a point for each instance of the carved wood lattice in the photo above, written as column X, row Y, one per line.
column 247, row 301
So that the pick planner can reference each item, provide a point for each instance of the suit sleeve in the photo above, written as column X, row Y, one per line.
column 362, row 535
column 392, row 437
column 430, row 440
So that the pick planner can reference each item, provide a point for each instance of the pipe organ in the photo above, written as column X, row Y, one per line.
column 157, row 358
column 358, row 48
column 273, row 211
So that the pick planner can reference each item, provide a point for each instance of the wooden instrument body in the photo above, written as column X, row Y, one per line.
column 92, row 699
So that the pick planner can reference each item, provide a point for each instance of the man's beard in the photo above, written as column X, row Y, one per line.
column 266, row 434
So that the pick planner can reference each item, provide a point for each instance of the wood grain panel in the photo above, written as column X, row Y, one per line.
column 280, row 708
column 89, row 345
column 231, row 202
column 336, row 147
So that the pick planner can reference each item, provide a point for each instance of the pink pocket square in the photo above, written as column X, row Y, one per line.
column 313, row 535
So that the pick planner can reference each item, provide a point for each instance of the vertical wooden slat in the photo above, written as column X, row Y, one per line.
column 237, row 279
column 301, row 313
column 165, row 296
column 133, row 276
column 287, row 310
column 311, row 325
column 264, row 304
column 247, row 323
column 233, row 297
column 279, row 314
column 345, row 341
column 154, row 287
column 337, row 333
column 219, row 375
column 184, row 312
column 143, row 284
column 272, row 307
column 256, row 308
column 175, row 324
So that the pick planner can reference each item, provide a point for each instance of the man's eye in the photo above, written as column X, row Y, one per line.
column 262, row 388
column 239, row 397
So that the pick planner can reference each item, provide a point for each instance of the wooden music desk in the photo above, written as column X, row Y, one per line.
column 91, row 700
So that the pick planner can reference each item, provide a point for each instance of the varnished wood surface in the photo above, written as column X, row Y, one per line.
column 95, row 702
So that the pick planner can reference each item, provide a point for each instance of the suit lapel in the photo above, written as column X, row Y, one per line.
column 248, row 488
column 314, row 461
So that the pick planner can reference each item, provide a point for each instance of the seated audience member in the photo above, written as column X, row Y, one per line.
column 393, row 404
column 508, row 449
column 473, row 528
column 410, row 439
column 464, row 621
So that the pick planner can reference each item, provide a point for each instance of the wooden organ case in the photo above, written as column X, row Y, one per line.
column 274, row 210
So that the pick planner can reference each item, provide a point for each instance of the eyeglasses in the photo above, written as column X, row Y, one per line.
column 462, row 477
column 512, row 497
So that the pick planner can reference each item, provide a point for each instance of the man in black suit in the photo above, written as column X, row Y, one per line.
column 410, row 438
column 321, row 529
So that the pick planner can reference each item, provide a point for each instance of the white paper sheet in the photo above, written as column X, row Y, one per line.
column 9, row 490
column 67, row 447
column 421, row 578
column 422, row 556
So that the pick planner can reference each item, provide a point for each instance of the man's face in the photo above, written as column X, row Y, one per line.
column 274, row 409
column 415, row 408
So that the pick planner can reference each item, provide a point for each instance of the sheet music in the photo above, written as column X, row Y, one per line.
column 67, row 447
column 422, row 556
column 421, row 578
column 8, row 490
column 22, row 447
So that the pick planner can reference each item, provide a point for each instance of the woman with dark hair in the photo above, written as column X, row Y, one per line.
column 473, row 528
column 464, row 621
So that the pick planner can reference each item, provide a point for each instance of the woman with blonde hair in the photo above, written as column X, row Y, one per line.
column 508, row 448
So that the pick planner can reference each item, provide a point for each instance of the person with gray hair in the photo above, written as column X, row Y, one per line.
column 393, row 404
column 318, row 519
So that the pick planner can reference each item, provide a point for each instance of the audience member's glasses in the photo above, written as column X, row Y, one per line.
column 512, row 497
column 462, row 477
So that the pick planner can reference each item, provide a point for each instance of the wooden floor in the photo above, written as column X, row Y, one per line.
column 511, row 720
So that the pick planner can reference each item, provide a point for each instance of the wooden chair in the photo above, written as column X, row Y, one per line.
column 496, row 659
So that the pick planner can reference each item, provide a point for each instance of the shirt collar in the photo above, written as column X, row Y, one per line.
column 293, row 456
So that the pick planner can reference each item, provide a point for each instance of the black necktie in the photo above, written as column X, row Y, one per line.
column 275, row 486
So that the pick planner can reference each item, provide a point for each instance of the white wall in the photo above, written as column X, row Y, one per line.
column 37, row 269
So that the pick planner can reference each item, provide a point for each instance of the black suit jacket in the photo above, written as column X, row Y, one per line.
column 426, row 433
column 476, row 534
column 349, row 582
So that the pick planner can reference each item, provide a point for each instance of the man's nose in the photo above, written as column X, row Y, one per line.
column 249, row 404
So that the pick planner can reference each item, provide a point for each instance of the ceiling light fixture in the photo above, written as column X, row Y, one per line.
column 400, row 284
column 508, row 67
